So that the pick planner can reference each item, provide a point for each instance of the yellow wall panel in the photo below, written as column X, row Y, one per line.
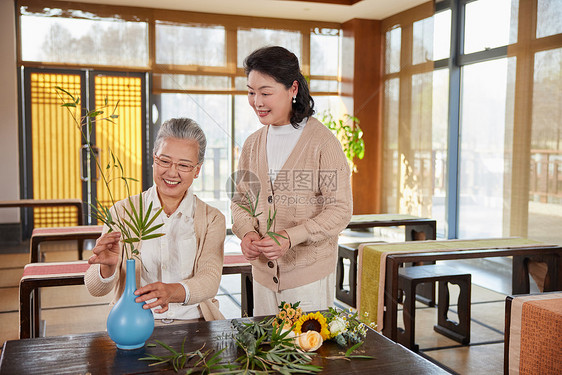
column 55, row 148
column 124, row 137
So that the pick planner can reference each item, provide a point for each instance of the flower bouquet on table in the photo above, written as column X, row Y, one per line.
column 343, row 327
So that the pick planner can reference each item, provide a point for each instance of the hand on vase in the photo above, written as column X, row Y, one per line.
column 163, row 294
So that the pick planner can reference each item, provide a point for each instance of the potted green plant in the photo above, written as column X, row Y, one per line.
column 350, row 135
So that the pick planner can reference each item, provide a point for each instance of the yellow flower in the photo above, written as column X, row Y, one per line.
column 286, row 306
column 282, row 315
column 299, row 312
column 309, row 341
column 290, row 313
column 313, row 322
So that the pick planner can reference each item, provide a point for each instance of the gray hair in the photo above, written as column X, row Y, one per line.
column 181, row 128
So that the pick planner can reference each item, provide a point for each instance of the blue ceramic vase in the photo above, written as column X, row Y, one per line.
column 128, row 324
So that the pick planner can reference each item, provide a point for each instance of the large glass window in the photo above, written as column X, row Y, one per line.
column 189, row 45
column 442, row 35
column 324, row 52
column 487, row 25
column 482, row 149
column 391, row 160
column 549, row 14
column 252, row 39
column 110, row 42
column 545, row 195
column 439, row 148
column 392, row 50
column 422, row 46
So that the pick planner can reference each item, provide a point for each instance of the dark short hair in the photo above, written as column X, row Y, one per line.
column 182, row 128
column 283, row 66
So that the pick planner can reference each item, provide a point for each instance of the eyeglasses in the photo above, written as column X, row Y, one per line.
column 167, row 163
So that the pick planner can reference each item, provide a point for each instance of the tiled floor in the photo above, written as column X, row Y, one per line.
column 86, row 313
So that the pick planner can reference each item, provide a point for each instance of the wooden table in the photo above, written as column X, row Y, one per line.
column 416, row 228
column 48, row 203
column 550, row 254
column 95, row 353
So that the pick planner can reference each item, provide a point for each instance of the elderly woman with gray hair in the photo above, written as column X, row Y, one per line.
column 181, row 271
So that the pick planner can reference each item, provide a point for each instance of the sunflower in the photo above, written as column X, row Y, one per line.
column 315, row 322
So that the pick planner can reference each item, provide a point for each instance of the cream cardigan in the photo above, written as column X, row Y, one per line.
column 312, row 196
column 210, row 232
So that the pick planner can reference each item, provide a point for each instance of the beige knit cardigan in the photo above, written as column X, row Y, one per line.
column 210, row 232
column 312, row 196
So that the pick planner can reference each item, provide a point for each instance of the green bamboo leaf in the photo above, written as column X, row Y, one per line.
column 66, row 92
column 271, row 235
column 152, row 229
column 151, row 236
column 73, row 105
column 245, row 208
column 131, row 240
column 94, row 113
column 154, row 217
column 133, row 228
column 350, row 350
column 136, row 217
column 147, row 217
column 166, row 346
column 141, row 214
column 120, row 166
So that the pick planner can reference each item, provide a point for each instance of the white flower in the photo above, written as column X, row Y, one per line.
column 309, row 341
column 337, row 326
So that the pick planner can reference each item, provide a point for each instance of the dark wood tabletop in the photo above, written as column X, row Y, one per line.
column 95, row 353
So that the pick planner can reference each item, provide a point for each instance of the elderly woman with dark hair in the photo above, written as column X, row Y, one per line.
column 179, row 273
column 302, row 175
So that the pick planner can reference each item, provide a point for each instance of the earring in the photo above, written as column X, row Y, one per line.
column 294, row 99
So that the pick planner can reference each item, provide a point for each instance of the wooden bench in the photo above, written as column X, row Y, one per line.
column 77, row 233
column 415, row 229
column 410, row 277
column 41, row 275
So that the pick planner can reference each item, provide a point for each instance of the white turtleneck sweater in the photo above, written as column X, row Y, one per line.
column 281, row 140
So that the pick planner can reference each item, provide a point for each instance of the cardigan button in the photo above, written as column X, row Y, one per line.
column 270, row 199
column 270, row 264
column 275, row 280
